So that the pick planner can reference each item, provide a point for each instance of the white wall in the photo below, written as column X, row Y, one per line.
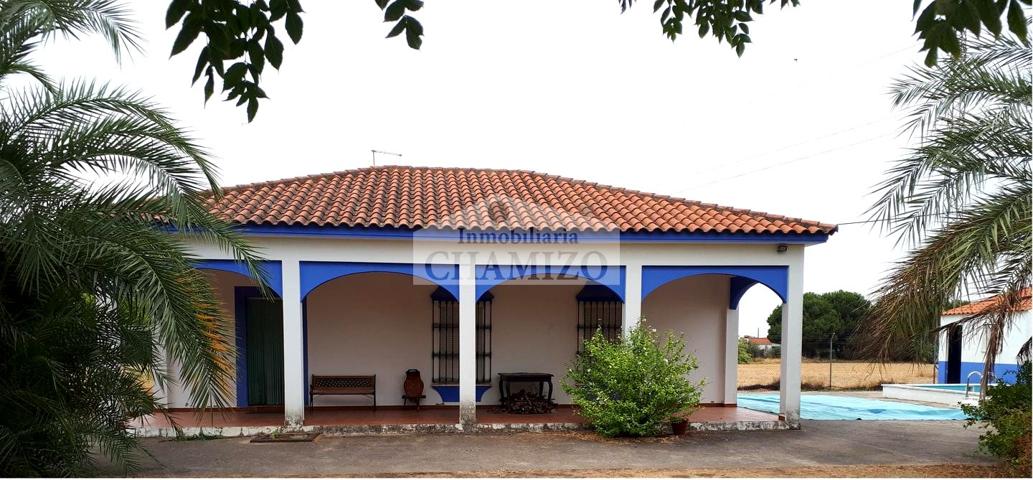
column 405, row 251
column 371, row 324
column 534, row 329
column 695, row 307
column 972, row 348
column 380, row 324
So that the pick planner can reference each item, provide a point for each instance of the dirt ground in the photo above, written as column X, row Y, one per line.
column 845, row 375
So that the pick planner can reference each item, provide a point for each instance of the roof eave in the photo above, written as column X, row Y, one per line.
column 294, row 230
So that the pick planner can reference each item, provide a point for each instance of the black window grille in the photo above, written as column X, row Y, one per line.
column 598, row 308
column 445, row 313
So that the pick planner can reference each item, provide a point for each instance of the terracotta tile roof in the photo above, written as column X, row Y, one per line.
column 758, row 340
column 421, row 197
column 1025, row 303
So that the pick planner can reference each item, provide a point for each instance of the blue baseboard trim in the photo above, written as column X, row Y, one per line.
column 450, row 393
column 1005, row 372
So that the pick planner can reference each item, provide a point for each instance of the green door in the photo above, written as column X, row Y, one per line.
column 264, row 351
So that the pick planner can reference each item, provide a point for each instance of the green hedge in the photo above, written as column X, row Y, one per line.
column 1005, row 414
column 633, row 386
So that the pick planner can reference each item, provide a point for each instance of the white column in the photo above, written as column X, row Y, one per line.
column 467, row 346
column 632, row 297
column 293, row 347
column 731, row 355
column 792, row 337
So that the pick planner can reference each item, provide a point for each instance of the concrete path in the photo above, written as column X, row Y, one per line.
column 817, row 444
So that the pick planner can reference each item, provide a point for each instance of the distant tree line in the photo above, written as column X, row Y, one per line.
column 833, row 316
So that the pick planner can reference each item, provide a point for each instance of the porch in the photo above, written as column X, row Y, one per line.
column 382, row 319
column 348, row 420
column 360, row 260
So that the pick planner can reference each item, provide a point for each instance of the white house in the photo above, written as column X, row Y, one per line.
column 962, row 348
column 761, row 345
column 467, row 273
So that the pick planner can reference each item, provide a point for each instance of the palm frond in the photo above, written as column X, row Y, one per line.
column 1024, row 352
column 965, row 253
column 961, row 199
column 74, row 18
column 80, row 113
column 942, row 175
column 991, row 75
column 92, row 277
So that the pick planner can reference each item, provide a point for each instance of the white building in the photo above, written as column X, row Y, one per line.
column 962, row 348
column 761, row 345
column 464, row 274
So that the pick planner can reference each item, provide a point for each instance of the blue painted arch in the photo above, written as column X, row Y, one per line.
column 775, row 277
column 610, row 276
column 314, row 274
column 272, row 270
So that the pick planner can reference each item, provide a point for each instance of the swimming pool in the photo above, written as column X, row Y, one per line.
column 842, row 407
column 949, row 394
column 954, row 387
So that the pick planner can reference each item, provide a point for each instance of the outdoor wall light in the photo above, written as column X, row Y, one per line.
column 782, row 248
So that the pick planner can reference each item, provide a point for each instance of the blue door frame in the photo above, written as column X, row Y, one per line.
column 240, row 296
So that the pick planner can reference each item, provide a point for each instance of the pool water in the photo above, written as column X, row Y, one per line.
column 954, row 387
column 841, row 407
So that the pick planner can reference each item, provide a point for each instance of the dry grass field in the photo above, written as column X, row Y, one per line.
column 846, row 375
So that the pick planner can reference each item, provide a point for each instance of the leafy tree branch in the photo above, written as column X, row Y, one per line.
column 241, row 36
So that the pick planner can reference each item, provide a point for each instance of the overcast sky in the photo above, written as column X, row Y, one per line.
column 801, row 125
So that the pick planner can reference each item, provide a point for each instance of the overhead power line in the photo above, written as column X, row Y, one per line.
column 780, row 164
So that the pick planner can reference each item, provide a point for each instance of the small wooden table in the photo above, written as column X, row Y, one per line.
column 542, row 379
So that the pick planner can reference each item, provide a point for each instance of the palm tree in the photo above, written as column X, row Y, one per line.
column 93, row 180
column 961, row 198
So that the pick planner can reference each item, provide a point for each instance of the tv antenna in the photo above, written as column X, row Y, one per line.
column 375, row 152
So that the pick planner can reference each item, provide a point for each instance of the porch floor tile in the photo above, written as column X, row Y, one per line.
column 329, row 416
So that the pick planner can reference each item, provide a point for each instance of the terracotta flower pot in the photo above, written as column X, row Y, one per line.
column 413, row 385
column 680, row 426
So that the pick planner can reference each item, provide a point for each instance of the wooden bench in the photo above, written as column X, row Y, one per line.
column 343, row 385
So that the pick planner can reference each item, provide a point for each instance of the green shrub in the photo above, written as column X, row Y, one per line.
column 634, row 386
column 1005, row 414
column 745, row 351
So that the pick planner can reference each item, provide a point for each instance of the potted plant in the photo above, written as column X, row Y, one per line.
column 679, row 425
column 680, row 420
